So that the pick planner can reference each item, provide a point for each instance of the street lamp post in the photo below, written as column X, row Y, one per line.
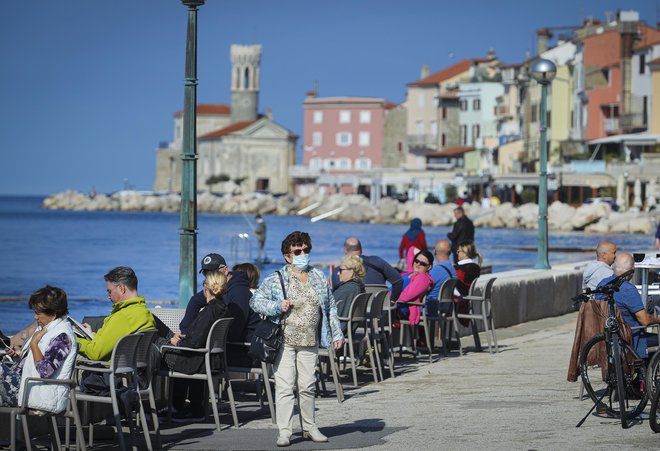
column 543, row 71
column 188, row 224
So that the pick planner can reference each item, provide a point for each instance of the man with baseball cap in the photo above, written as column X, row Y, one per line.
column 211, row 262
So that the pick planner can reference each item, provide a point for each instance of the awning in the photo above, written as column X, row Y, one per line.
column 631, row 139
column 564, row 179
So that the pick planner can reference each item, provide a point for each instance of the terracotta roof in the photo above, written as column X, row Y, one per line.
column 451, row 152
column 210, row 109
column 390, row 105
column 227, row 130
column 344, row 100
column 449, row 72
column 650, row 37
column 654, row 62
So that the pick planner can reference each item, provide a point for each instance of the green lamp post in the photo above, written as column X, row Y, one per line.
column 188, row 224
column 543, row 71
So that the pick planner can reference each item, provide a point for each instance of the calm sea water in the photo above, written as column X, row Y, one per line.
column 73, row 250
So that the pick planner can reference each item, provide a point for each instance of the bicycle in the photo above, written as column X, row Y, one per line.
column 610, row 368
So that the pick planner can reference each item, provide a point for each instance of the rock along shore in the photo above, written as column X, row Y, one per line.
column 592, row 218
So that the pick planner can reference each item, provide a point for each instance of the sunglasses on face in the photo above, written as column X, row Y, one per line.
column 343, row 269
column 299, row 251
column 421, row 263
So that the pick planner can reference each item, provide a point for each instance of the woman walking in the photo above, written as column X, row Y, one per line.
column 414, row 236
column 308, row 304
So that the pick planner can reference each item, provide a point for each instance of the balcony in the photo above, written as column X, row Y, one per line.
column 422, row 142
column 303, row 172
column 503, row 112
column 632, row 122
column 611, row 124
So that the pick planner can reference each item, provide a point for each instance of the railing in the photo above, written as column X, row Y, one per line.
column 303, row 172
column 611, row 124
column 423, row 141
column 440, row 166
column 632, row 121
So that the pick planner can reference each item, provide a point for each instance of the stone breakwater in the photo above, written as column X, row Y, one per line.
column 592, row 218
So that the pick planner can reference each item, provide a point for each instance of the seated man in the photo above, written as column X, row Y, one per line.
column 129, row 315
column 629, row 302
column 599, row 269
column 441, row 271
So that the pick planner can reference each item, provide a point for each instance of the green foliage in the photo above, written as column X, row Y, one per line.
column 219, row 178
column 527, row 196
column 451, row 193
column 239, row 180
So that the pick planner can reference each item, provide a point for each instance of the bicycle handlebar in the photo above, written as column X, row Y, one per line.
column 608, row 289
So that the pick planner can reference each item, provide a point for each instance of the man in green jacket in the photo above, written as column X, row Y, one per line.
column 129, row 315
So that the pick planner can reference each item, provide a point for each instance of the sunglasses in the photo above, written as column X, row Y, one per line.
column 299, row 251
column 421, row 263
column 343, row 269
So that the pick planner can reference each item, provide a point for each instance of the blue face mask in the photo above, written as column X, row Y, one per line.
column 300, row 261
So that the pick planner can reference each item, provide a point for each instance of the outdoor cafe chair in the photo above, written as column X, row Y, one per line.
column 328, row 356
column 147, row 360
column 121, row 366
column 484, row 314
column 215, row 349
column 380, row 335
column 444, row 320
column 414, row 329
column 358, row 334
column 171, row 317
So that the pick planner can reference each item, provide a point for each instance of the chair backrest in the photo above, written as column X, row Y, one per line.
column 359, row 305
column 171, row 317
column 217, row 339
column 489, row 288
column 374, row 287
column 146, row 357
column 473, row 287
column 376, row 310
column 124, row 354
column 447, row 290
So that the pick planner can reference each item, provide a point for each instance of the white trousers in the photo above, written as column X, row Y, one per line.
column 295, row 364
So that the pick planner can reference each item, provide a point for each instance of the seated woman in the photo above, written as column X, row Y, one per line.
column 420, row 283
column 215, row 284
column 467, row 268
column 351, row 273
column 50, row 353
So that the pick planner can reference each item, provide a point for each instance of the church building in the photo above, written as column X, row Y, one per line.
column 238, row 149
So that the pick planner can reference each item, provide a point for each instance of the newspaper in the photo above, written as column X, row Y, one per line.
column 80, row 330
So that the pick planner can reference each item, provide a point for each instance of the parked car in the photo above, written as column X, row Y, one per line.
column 607, row 200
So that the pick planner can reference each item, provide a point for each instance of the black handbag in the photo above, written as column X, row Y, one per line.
column 267, row 338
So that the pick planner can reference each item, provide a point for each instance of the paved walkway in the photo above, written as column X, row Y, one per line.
column 517, row 399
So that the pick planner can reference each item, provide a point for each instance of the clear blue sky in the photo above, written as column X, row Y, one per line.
column 88, row 88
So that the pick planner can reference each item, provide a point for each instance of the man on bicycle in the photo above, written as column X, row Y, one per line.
column 629, row 302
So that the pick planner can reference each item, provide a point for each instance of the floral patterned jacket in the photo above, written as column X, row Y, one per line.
column 267, row 298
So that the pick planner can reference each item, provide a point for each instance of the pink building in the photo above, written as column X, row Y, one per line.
column 343, row 135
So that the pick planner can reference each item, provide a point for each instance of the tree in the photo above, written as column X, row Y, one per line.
column 219, row 178
column 239, row 180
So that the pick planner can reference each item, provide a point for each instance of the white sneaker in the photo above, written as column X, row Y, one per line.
column 283, row 441
column 315, row 435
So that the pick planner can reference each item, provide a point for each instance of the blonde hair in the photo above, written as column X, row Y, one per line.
column 354, row 262
column 216, row 283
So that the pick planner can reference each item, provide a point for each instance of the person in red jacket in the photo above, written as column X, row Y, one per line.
column 413, row 237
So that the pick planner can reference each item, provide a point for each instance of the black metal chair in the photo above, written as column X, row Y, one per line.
column 358, row 333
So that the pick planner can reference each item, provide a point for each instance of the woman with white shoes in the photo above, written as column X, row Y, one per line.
column 307, row 305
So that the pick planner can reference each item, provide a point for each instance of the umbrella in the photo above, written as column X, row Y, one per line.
column 650, row 194
column 637, row 201
column 621, row 193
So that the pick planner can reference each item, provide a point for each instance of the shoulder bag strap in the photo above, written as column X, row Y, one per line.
column 282, row 283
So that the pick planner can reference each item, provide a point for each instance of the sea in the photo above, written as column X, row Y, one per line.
column 73, row 250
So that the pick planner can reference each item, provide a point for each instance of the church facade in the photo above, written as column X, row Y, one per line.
column 238, row 149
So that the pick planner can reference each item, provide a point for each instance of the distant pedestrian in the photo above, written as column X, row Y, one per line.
column 260, row 233
column 657, row 237
column 415, row 237
column 463, row 231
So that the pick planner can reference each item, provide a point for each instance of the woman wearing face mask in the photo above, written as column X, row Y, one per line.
column 50, row 354
column 308, row 304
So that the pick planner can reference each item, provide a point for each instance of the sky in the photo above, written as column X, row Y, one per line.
column 88, row 88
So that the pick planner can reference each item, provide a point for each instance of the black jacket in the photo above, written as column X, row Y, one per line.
column 191, row 363
column 377, row 272
column 463, row 231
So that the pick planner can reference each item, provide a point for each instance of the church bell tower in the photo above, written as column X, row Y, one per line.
column 245, row 60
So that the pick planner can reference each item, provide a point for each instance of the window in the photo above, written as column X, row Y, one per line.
column 642, row 64
column 344, row 139
column 463, row 135
column 476, row 104
column 318, row 117
column 475, row 133
column 344, row 163
column 365, row 117
column 444, row 140
column 363, row 163
column 419, row 128
column 364, row 139
column 606, row 74
column 177, row 133
column 344, row 117
column 434, row 128
column 420, row 100
column 315, row 163
column 444, row 112
column 464, row 105
column 535, row 109
column 317, row 139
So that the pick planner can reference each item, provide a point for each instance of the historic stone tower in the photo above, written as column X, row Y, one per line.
column 245, row 60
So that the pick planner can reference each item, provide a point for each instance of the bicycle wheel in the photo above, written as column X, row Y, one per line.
column 620, row 382
column 653, row 415
column 600, row 379
column 653, row 375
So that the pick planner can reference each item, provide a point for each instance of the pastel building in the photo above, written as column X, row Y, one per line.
column 344, row 136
